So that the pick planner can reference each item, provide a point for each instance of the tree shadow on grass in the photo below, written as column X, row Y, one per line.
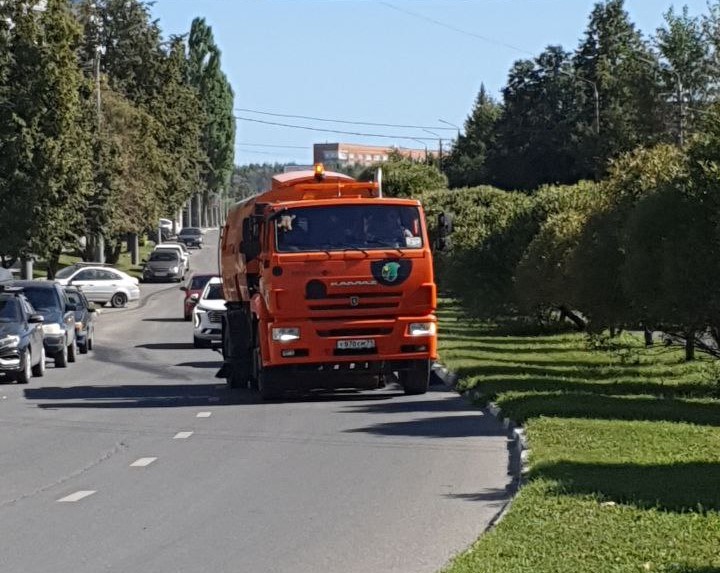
column 662, row 486
column 521, row 407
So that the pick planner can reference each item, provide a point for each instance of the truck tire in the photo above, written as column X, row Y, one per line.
column 236, row 354
column 416, row 378
column 265, row 380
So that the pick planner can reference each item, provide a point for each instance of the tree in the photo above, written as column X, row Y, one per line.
column 614, row 57
column 404, row 177
column 466, row 164
column 217, row 98
column 45, row 169
column 687, row 72
column 536, row 140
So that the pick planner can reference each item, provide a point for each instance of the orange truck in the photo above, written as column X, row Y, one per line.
column 328, row 285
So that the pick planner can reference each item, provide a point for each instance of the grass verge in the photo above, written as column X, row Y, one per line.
column 124, row 263
column 625, row 452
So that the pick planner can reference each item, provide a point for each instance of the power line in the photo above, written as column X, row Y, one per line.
column 347, row 122
column 455, row 28
column 331, row 130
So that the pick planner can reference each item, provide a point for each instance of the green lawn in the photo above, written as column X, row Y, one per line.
column 123, row 264
column 625, row 452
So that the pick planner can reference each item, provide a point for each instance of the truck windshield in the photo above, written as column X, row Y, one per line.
column 337, row 228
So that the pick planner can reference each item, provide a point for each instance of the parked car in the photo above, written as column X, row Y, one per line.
column 85, row 314
column 165, row 265
column 100, row 283
column 194, row 286
column 208, row 314
column 166, row 225
column 49, row 300
column 5, row 275
column 181, row 250
column 191, row 236
column 22, row 353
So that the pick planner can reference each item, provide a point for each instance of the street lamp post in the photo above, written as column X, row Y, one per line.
column 421, row 142
column 678, row 94
column 440, row 150
column 451, row 125
column 596, row 95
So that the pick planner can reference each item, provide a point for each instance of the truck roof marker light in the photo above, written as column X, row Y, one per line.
column 319, row 171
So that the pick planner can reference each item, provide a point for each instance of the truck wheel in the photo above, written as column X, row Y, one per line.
column 72, row 351
column 416, row 378
column 265, row 380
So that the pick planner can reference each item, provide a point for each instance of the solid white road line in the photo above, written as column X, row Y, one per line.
column 203, row 414
column 142, row 462
column 182, row 435
column 77, row 496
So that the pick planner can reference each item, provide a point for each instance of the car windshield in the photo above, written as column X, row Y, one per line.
column 9, row 310
column 191, row 231
column 214, row 292
column 164, row 256
column 198, row 283
column 348, row 227
column 42, row 298
column 65, row 273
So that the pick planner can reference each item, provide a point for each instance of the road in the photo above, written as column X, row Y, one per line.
column 136, row 459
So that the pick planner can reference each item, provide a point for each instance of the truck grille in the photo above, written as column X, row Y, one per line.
column 374, row 331
column 215, row 316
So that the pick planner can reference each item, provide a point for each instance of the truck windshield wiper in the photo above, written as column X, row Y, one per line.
column 385, row 246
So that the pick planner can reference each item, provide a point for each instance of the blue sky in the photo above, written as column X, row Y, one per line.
column 377, row 61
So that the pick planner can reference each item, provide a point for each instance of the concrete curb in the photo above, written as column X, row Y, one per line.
column 518, row 448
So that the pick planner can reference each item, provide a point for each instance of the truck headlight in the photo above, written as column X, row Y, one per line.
column 52, row 328
column 9, row 341
column 285, row 334
column 421, row 329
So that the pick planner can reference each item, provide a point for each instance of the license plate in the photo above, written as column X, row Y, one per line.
column 356, row 344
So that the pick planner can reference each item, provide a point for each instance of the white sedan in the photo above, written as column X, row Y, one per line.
column 100, row 283
column 208, row 314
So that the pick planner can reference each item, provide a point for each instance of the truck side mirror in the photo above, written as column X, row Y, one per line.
column 444, row 228
column 250, row 245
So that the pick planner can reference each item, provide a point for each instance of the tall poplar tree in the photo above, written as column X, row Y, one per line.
column 217, row 98
column 45, row 167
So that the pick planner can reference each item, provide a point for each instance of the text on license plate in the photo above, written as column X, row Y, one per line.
column 356, row 344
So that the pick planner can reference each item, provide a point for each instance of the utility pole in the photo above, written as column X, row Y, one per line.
column 681, row 108
column 99, row 239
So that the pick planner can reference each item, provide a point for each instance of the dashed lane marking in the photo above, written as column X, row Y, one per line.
column 182, row 435
column 142, row 462
column 203, row 414
column 77, row 496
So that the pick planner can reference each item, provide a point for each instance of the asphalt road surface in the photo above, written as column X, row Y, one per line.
column 136, row 459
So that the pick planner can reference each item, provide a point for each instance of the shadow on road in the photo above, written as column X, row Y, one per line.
column 459, row 426
column 493, row 494
column 167, row 346
column 177, row 395
column 199, row 364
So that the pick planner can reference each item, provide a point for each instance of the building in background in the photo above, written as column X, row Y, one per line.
column 347, row 154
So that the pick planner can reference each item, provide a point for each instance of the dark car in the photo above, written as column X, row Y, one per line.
column 22, row 354
column 49, row 299
column 85, row 314
column 165, row 265
column 195, row 285
column 191, row 236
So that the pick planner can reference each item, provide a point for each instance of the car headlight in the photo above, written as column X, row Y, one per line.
column 52, row 328
column 9, row 341
column 174, row 270
column 421, row 329
column 285, row 334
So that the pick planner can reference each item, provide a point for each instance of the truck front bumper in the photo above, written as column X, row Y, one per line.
column 375, row 343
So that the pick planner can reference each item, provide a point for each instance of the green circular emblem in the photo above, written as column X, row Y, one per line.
column 390, row 272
